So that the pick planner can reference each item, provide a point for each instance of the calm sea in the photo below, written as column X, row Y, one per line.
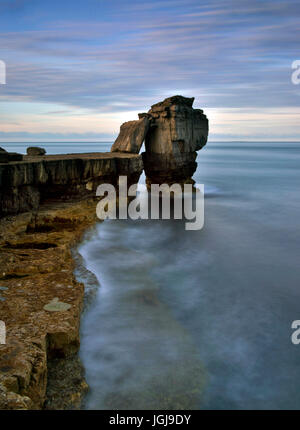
column 200, row 319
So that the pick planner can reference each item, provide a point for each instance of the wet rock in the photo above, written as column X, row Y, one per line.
column 132, row 135
column 2, row 150
column 35, row 150
column 66, row 385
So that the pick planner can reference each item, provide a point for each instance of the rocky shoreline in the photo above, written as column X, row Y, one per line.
column 41, row 306
column 46, row 203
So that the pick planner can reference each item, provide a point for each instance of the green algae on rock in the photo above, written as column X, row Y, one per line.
column 56, row 306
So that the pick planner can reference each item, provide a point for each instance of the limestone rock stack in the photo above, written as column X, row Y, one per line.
column 177, row 131
column 173, row 132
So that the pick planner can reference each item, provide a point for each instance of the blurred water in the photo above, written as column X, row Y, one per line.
column 201, row 319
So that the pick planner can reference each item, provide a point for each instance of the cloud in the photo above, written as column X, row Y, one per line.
column 10, row 137
column 229, row 54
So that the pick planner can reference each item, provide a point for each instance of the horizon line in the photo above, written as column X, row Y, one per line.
column 111, row 141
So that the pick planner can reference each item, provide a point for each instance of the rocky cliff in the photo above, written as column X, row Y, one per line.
column 27, row 183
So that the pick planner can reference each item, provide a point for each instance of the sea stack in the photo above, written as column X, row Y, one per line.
column 173, row 131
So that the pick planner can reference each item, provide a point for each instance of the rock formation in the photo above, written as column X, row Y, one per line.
column 177, row 131
column 132, row 135
column 35, row 150
column 173, row 132
column 24, row 184
column 39, row 361
column 7, row 157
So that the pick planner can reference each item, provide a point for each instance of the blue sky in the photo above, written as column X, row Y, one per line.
column 77, row 69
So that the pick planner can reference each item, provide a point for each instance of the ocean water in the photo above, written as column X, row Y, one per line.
column 200, row 319
column 58, row 147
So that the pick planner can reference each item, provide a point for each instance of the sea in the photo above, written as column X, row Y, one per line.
column 198, row 319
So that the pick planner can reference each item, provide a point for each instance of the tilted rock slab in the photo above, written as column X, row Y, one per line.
column 132, row 135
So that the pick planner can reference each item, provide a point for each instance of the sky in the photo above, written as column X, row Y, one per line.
column 76, row 70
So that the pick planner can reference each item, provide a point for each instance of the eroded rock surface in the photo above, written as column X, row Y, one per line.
column 35, row 150
column 173, row 131
column 7, row 157
column 26, row 184
column 177, row 131
column 42, row 341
